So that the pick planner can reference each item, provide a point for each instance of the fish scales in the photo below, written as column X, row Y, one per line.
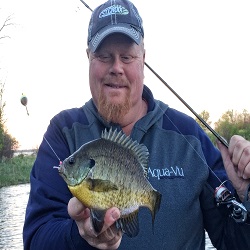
column 111, row 172
column 119, row 163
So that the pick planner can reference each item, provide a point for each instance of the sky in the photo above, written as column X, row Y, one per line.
column 200, row 48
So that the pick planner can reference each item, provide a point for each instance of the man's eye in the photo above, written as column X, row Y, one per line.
column 104, row 58
column 127, row 59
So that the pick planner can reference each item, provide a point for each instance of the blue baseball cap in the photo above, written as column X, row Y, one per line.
column 114, row 16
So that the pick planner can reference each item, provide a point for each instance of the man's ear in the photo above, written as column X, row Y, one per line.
column 87, row 51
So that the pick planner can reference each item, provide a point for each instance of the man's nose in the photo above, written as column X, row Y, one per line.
column 117, row 66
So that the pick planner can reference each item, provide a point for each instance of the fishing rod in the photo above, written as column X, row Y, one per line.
column 86, row 5
column 222, row 195
column 219, row 137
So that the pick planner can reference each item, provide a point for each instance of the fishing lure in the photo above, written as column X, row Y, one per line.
column 24, row 101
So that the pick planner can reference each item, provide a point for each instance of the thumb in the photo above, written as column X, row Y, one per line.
column 77, row 210
column 224, row 151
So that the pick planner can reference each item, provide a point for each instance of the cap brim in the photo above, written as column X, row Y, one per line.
column 125, row 29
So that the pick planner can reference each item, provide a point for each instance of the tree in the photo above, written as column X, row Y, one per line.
column 205, row 116
column 232, row 122
column 229, row 124
column 2, row 105
column 6, row 23
column 7, row 143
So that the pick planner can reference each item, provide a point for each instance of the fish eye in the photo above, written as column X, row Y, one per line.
column 91, row 163
column 71, row 160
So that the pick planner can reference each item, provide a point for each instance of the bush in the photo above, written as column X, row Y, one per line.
column 9, row 145
column 16, row 170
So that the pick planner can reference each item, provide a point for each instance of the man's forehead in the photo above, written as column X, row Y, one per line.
column 117, row 38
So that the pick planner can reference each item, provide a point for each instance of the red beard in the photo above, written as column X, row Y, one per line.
column 113, row 112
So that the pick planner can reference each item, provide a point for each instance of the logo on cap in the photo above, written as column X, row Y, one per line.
column 114, row 9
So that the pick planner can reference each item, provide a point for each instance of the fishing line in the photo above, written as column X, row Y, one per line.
column 202, row 159
column 51, row 148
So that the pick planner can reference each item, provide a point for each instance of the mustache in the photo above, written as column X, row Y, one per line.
column 116, row 81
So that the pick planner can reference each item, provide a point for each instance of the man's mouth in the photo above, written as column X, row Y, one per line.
column 114, row 86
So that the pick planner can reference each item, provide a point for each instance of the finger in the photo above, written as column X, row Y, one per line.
column 228, row 165
column 240, row 150
column 110, row 235
column 243, row 163
column 246, row 172
column 111, row 244
column 111, row 216
column 77, row 210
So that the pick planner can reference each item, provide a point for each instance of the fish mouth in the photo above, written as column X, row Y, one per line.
column 71, row 181
column 61, row 171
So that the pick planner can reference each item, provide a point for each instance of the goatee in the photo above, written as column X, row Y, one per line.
column 113, row 112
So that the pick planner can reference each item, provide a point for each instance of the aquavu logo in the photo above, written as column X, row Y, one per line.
column 114, row 9
column 166, row 173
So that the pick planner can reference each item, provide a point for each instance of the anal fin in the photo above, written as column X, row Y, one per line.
column 129, row 224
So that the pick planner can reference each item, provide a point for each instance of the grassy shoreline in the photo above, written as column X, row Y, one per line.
column 16, row 170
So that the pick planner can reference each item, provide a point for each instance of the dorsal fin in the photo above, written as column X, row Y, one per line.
column 139, row 150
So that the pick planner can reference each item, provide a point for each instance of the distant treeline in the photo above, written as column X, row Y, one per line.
column 230, row 123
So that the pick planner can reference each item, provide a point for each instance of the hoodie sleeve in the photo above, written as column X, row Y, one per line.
column 47, row 223
column 224, row 231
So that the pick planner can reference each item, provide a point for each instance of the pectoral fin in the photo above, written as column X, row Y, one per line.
column 99, row 185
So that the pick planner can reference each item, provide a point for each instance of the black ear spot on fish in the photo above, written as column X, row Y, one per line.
column 71, row 160
column 91, row 163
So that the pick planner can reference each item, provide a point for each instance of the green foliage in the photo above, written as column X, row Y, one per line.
column 230, row 123
column 16, row 170
column 2, row 121
column 8, row 144
column 205, row 116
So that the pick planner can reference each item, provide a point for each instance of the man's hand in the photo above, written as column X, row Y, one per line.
column 109, row 238
column 237, row 163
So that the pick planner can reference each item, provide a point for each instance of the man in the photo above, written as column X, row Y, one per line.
column 184, row 166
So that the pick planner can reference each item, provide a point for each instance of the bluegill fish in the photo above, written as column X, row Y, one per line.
column 112, row 172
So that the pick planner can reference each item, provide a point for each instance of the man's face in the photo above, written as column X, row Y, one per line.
column 116, row 76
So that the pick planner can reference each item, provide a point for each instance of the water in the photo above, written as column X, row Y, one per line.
column 13, row 201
